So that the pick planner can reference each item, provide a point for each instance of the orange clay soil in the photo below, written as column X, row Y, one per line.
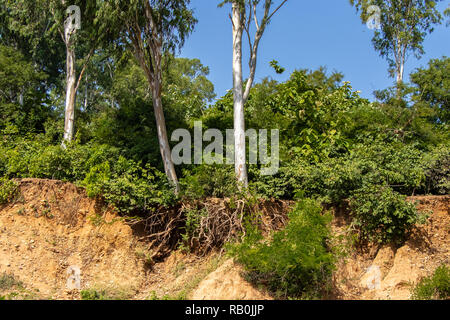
column 53, row 227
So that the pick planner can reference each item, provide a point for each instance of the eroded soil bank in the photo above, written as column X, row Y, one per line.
column 53, row 229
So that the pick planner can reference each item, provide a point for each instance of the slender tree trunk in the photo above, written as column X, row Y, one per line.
column 154, row 78
column 70, row 93
column 239, row 122
column 400, row 71
column 164, row 146
column 399, row 67
column 86, row 93
column 21, row 96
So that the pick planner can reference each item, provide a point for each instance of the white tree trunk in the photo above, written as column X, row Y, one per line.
column 239, row 122
column 164, row 146
column 400, row 74
column 70, row 93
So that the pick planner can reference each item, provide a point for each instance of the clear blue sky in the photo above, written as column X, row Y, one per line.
column 304, row 34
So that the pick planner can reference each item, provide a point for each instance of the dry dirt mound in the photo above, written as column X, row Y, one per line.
column 226, row 283
column 390, row 273
column 53, row 228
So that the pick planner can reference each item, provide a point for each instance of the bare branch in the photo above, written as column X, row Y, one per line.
column 278, row 8
column 80, row 77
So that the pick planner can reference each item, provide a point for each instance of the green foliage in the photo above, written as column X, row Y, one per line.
column 102, row 170
column 278, row 69
column 192, row 226
column 209, row 181
column 431, row 87
column 437, row 170
column 91, row 294
column 434, row 287
column 128, row 186
column 383, row 215
column 8, row 189
column 295, row 261
column 22, row 95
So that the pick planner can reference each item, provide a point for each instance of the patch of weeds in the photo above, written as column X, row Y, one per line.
column 154, row 296
column 92, row 294
column 97, row 220
column 21, row 211
column 179, row 268
column 108, row 293
column 8, row 281
column 46, row 211
column 53, row 242
column 35, row 211
column 434, row 287
column 144, row 255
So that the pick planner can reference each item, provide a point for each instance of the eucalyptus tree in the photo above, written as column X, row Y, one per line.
column 77, row 26
column 152, row 29
column 244, row 14
column 403, row 27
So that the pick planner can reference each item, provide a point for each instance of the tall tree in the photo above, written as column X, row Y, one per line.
column 431, row 87
column 77, row 23
column 404, row 25
column 244, row 13
column 47, row 18
column 152, row 28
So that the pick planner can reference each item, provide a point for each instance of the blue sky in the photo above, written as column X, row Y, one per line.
column 304, row 35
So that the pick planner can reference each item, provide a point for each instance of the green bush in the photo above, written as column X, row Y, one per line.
column 7, row 189
column 209, row 181
column 295, row 261
column 124, row 183
column 437, row 286
column 383, row 215
column 128, row 186
column 437, row 170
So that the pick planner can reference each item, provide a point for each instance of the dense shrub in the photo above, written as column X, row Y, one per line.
column 123, row 183
column 437, row 286
column 383, row 215
column 295, row 261
column 128, row 186
column 437, row 170
column 209, row 181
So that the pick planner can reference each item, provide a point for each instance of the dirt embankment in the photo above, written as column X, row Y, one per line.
column 387, row 272
column 54, row 240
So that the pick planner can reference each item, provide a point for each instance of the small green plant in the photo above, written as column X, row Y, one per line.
column 97, row 220
column 191, row 229
column 144, row 255
column 8, row 281
column 8, row 189
column 436, row 286
column 294, row 262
